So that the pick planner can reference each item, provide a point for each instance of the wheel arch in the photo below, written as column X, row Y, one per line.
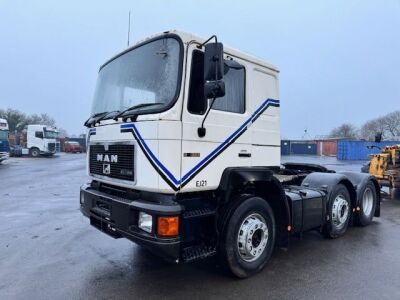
column 256, row 181
column 359, row 181
column 327, row 181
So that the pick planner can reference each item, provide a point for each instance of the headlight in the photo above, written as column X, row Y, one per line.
column 82, row 199
column 145, row 222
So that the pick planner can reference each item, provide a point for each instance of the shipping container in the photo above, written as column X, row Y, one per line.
column 357, row 150
column 327, row 147
column 285, row 147
column 298, row 147
column 303, row 148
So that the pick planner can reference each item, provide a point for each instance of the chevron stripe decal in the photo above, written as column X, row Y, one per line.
column 169, row 178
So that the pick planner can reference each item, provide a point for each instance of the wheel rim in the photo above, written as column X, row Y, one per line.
column 340, row 211
column 367, row 202
column 252, row 237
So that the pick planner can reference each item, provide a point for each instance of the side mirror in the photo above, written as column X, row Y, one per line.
column 213, row 61
column 214, row 89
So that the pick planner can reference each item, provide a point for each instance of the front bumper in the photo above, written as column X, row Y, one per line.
column 4, row 156
column 118, row 217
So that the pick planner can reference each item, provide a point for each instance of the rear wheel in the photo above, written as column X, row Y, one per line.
column 367, row 205
column 35, row 152
column 249, row 237
column 339, row 212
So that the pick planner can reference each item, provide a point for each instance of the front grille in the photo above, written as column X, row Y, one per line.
column 51, row 147
column 116, row 162
column 4, row 146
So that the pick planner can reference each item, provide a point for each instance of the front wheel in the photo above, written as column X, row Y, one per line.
column 249, row 237
column 35, row 152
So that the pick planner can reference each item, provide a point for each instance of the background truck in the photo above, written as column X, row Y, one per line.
column 72, row 147
column 40, row 140
column 184, row 158
column 4, row 143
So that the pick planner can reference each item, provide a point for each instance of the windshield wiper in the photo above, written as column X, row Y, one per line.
column 135, row 107
column 107, row 115
column 89, row 121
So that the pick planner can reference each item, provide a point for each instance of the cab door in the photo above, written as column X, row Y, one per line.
column 205, row 158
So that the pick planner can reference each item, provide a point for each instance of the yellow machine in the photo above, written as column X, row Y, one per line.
column 385, row 166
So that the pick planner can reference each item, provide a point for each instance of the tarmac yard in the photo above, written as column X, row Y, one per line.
column 48, row 250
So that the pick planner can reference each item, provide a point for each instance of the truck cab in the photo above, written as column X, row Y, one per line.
column 41, row 140
column 4, row 143
column 184, row 158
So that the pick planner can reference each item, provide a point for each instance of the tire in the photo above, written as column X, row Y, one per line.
column 252, row 221
column 339, row 211
column 367, row 205
column 34, row 152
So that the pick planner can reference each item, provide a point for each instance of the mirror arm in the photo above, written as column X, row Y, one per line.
column 212, row 37
column 201, row 131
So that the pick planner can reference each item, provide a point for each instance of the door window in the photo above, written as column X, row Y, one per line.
column 234, row 99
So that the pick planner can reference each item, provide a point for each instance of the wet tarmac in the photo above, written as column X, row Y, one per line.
column 48, row 250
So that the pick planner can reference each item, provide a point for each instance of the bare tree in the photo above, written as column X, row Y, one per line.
column 62, row 133
column 346, row 130
column 43, row 119
column 392, row 123
column 371, row 128
column 388, row 125
column 16, row 119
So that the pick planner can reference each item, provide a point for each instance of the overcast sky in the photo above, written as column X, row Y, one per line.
column 339, row 60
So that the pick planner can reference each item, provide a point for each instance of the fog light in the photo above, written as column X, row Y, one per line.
column 168, row 226
column 145, row 222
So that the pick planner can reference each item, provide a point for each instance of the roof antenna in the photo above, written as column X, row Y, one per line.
column 129, row 26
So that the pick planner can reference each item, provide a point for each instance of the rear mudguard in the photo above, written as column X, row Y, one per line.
column 326, row 182
column 359, row 181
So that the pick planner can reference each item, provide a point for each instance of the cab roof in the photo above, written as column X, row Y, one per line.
column 189, row 37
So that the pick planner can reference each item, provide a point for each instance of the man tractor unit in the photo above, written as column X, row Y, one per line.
column 4, row 143
column 184, row 158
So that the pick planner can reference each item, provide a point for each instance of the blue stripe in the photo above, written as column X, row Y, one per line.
column 209, row 156
column 158, row 163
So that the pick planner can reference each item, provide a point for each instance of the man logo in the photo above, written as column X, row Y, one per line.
column 107, row 158
column 106, row 169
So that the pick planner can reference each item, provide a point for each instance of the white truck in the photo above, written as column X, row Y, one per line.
column 41, row 140
column 4, row 143
column 184, row 158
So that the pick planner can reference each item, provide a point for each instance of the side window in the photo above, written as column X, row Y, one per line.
column 196, row 103
column 234, row 99
column 39, row 134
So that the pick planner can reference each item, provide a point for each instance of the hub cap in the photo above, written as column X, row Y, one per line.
column 252, row 237
column 340, row 211
column 368, row 200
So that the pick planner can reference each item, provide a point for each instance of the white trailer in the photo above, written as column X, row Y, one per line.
column 184, row 158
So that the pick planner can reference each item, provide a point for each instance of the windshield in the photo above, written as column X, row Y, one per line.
column 147, row 74
column 50, row 134
column 3, row 134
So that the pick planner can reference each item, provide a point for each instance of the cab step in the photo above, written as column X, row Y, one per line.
column 193, row 253
column 198, row 213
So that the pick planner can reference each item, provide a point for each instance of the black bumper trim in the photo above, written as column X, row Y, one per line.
column 118, row 217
